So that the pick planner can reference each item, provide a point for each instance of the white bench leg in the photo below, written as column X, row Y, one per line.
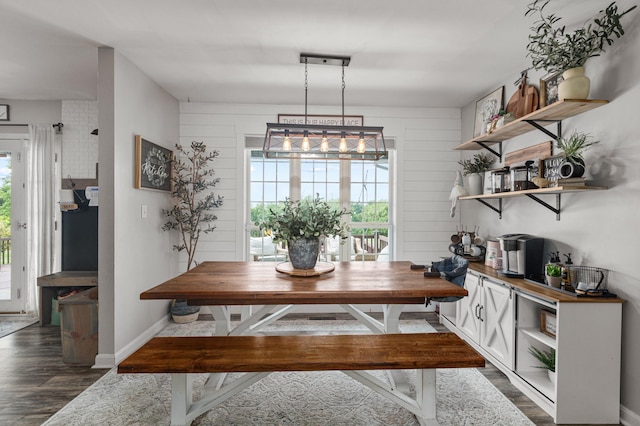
column 181, row 398
column 426, row 395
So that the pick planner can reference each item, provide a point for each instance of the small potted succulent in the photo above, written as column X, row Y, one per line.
column 553, row 273
column 552, row 48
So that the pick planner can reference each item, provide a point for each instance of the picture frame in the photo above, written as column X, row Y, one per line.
column 548, row 323
column 486, row 107
column 4, row 112
column 154, row 166
column 549, row 88
column 550, row 168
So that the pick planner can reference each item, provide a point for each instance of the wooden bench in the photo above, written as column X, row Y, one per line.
column 258, row 356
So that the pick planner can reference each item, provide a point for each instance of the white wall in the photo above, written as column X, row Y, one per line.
column 135, row 254
column 30, row 112
column 425, row 171
column 601, row 228
column 79, row 146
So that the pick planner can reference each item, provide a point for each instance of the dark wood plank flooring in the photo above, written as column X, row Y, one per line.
column 36, row 383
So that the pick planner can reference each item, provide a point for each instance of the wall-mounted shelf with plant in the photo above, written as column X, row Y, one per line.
column 555, row 49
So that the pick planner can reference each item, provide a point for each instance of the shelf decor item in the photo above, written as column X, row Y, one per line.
column 475, row 169
column 553, row 274
column 487, row 107
column 552, row 48
column 573, row 148
column 190, row 213
column 548, row 323
column 547, row 359
column 301, row 223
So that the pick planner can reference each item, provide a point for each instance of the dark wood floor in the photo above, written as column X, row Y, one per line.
column 36, row 383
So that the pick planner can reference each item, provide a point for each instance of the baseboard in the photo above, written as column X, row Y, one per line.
column 107, row 361
column 142, row 338
column 628, row 417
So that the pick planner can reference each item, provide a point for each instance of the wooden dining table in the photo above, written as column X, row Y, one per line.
column 221, row 285
column 266, row 295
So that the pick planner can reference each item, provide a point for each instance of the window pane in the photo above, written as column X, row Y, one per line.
column 256, row 170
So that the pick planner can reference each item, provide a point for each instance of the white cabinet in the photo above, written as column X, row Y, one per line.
column 486, row 316
column 501, row 318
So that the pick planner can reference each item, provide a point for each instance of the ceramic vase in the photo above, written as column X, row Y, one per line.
column 571, row 168
column 552, row 376
column 474, row 181
column 575, row 85
column 303, row 252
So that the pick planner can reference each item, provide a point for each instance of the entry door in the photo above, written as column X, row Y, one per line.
column 13, row 229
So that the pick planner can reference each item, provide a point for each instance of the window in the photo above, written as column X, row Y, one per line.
column 360, row 186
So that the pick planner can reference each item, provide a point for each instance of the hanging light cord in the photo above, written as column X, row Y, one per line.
column 343, row 86
column 306, row 88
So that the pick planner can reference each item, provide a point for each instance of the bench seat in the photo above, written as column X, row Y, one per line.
column 260, row 355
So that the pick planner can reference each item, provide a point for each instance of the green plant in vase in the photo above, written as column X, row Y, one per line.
column 191, row 210
column 546, row 358
column 555, row 49
column 474, row 168
column 573, row 148
column 300, row 224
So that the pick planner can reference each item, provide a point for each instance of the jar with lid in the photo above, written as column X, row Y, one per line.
column 521, row 177
column 501, row 180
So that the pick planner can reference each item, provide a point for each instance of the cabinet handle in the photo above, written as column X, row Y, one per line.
column 480, row 313
column 476, row 309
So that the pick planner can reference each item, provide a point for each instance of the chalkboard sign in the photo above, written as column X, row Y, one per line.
column 551, row 168
column 153, row 165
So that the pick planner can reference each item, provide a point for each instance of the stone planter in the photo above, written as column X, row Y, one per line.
column 474, row 181
column 303, row 252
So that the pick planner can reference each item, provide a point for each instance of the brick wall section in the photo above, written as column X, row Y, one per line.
column 79, row 146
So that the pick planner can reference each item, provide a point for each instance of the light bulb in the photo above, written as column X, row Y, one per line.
column 343, row 143
column 362, row 147
column 324, row 145
column 286, row 143
column 305, row 141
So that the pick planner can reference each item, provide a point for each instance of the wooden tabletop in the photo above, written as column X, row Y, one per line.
column 258, row 283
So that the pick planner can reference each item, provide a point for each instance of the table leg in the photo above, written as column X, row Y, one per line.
column 392, row 325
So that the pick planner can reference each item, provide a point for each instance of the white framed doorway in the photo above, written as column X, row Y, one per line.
column 13, row 225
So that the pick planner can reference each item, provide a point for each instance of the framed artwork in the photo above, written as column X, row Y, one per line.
column 549, row 88
column 4, row 112
column 486, row 107
column 153, row 165
column 548, row 323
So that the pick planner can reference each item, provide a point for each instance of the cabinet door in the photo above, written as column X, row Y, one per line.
column 468, row 308
column 497, row 322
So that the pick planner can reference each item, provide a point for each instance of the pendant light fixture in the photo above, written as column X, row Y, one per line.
column 284, row 140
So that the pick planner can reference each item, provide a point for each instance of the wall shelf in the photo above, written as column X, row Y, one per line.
column 553, row 113
column 533, row 194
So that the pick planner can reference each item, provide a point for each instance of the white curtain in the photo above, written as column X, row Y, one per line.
column 43, row 183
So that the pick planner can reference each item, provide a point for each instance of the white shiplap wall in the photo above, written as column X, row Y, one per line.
column 425, row 171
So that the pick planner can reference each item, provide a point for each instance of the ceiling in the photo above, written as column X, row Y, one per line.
column 403, row 52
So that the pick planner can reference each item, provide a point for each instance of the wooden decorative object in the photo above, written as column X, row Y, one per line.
column 548, row 323
column 320, row 269
column 534, row 152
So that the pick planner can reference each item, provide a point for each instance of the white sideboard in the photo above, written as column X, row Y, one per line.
column 501, row 318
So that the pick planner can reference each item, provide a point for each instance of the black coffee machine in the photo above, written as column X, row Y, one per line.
column 522, row 257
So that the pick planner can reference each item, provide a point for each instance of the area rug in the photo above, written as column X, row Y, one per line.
column 12, row 323
column 464, row 396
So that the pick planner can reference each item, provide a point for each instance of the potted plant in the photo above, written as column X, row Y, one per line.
column 553, row 271
column 552, row 48
column 572, row 148
column 547, row 359
column 190, row 213
column 300, row 224
column 474, row 168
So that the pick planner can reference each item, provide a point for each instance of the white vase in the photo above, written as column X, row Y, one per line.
column 552, row 376
column 575, row 85
column 474, row 181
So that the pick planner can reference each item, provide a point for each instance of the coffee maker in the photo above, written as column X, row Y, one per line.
column 522, row 256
